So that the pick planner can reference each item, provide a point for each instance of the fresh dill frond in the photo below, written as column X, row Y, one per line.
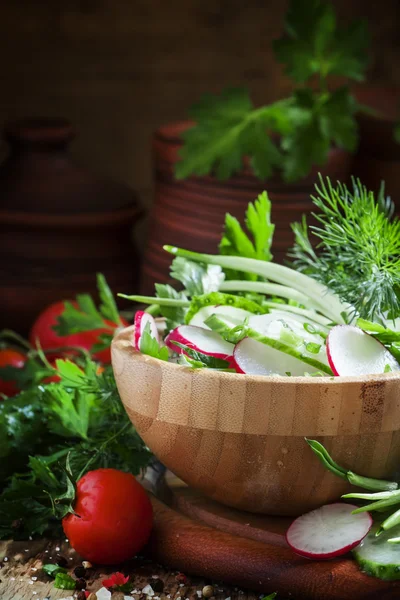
column 357, row 254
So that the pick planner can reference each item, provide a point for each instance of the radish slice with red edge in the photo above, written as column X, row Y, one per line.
column 352, row 351
column 329, row 531
column 255, row 358
column 204, row 340
column 141, row 320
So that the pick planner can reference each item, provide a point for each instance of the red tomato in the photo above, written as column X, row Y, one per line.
column 13, row 358
column 42, row 330
column 115, row 517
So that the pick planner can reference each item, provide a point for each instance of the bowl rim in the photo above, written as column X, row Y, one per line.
column 123, row 340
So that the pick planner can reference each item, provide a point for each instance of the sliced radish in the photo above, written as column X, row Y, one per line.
column 255, row 358
column 329, row 531
column 204, row 340
column 234, row 316
column 141, row 320
column 352, row 351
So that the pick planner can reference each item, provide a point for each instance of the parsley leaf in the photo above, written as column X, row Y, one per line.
column 52, row 570
column 150, row 346
column 314, row 44
column 318, row 122
column 290, row 136
column 236, row 242
column 227, row 128
column 63, row 581
column 86, row 316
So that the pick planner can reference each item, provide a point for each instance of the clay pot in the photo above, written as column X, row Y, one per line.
column 239, row 439
column 59, row 224
column 378, row 156
column 190, row 213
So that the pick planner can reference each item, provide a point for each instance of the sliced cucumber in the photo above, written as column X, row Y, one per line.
column 289, row 329
column 230, row 315
column 378, row 557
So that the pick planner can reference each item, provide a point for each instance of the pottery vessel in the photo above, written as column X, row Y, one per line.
column 191, row 212
column 59, row 224
column 239, row 439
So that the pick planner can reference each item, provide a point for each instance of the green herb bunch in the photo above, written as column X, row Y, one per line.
column 357, row 252
column 293, row 134
column 52, row 433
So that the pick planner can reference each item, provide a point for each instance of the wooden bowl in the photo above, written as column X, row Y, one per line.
column 239, row 439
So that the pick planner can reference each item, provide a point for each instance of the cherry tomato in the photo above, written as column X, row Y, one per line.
column 42, row 330
column 115, row 517
column 12, row 358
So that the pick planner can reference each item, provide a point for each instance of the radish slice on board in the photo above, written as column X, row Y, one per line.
column 328, row 531
column 255, row 358
column 204, row 340
column 351, row 351
column 141, row 320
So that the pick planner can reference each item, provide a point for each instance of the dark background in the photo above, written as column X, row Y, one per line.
column 120, row 68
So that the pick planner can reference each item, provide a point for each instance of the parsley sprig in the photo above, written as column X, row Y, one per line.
column 293, row 134
column 86, row 316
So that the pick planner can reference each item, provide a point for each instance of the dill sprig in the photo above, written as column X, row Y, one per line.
column 358, row 253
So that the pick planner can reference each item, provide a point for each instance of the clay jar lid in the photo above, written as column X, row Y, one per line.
column 39, row 176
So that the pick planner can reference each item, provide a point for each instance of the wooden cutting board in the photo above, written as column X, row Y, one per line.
column 199, row 536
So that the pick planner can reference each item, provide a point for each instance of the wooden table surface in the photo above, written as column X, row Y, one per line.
column 22, row 578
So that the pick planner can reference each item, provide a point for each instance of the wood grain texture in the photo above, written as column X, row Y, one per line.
column 192, row 546
column 25, row 559
column 239, row 439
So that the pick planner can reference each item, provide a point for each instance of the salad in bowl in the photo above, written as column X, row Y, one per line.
column 333, row 312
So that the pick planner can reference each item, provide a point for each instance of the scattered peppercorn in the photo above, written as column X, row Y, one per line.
column 81, row 584
column 62, row 561
column 81, row 596
column 208, row 591
column 80, row 572
column 157, row 585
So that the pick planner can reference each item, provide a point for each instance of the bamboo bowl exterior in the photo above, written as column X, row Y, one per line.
column 239, row 439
